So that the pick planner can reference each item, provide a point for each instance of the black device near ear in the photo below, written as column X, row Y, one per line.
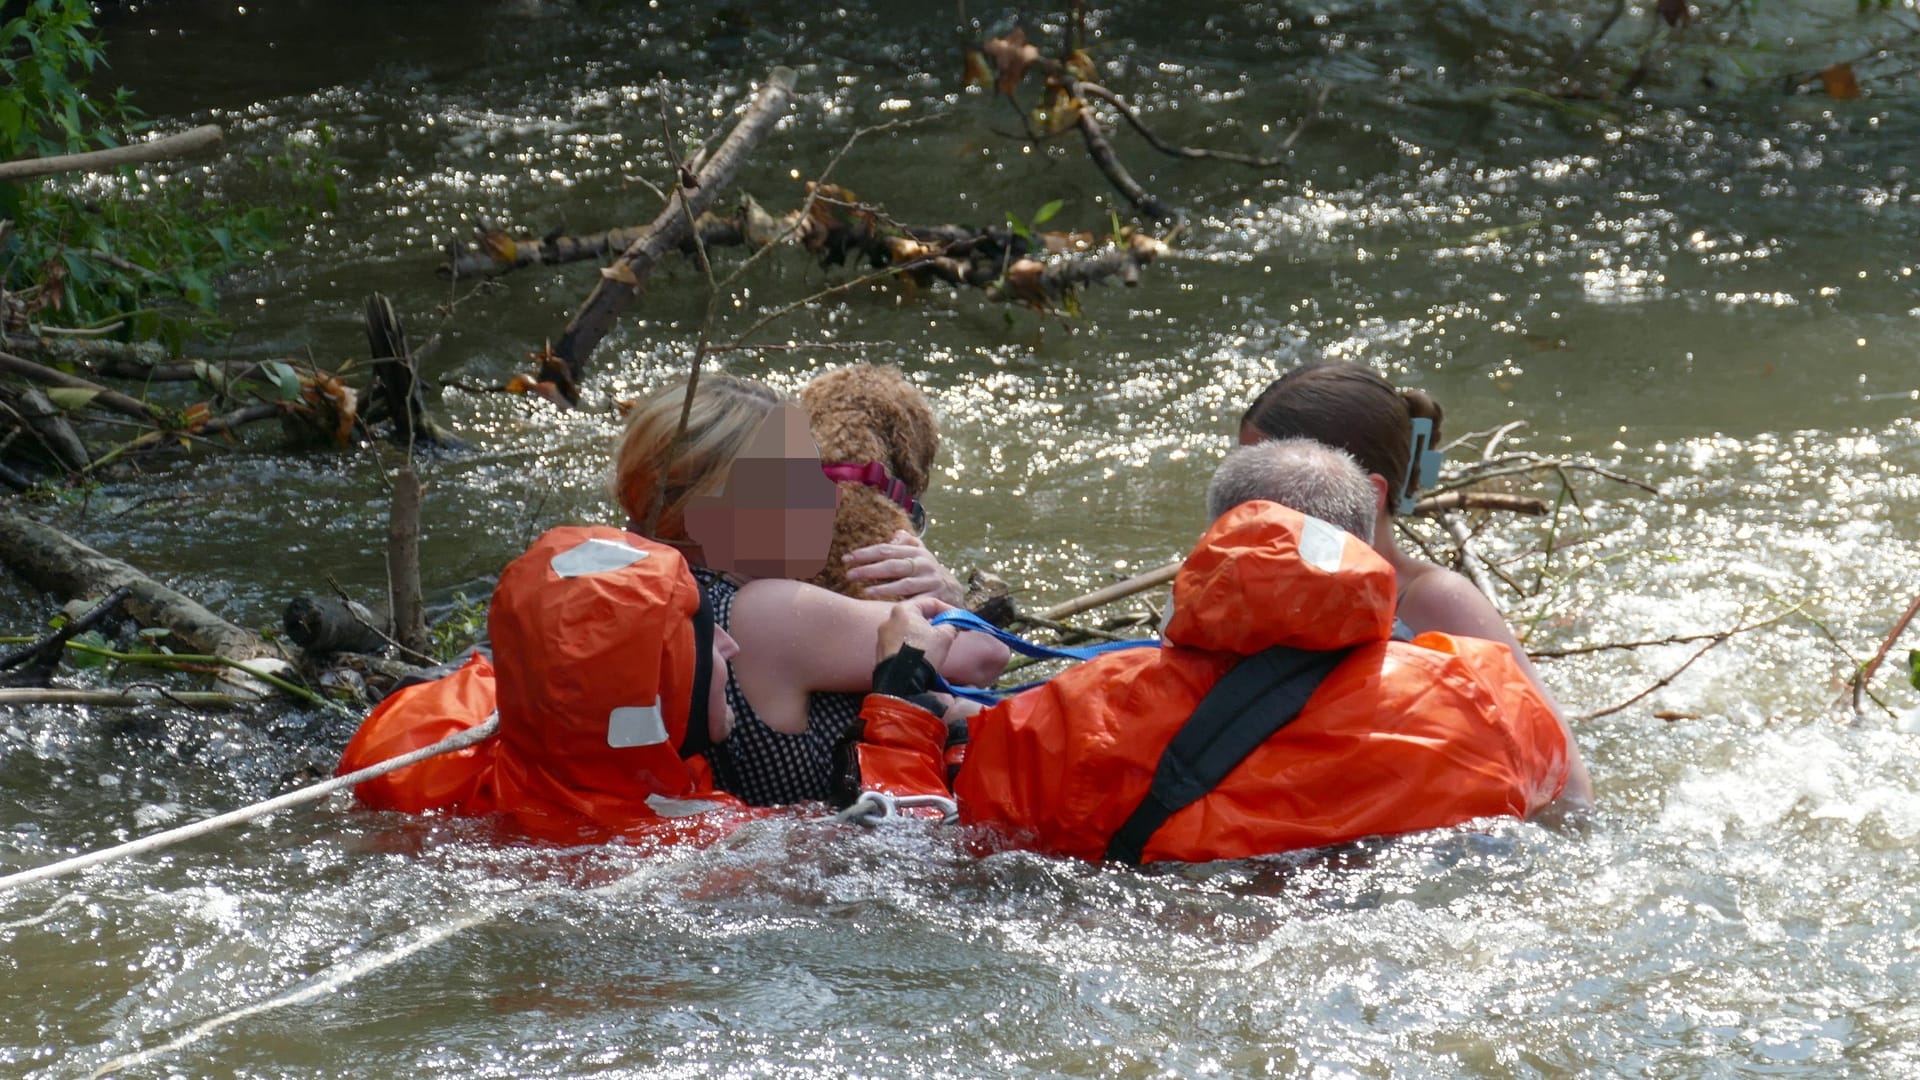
column 1423, row 466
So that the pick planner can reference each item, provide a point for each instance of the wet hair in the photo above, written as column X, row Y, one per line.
column 726, row 412
column 1308, row 476
column 1350, row 407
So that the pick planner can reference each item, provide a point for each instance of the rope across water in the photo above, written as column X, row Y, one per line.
column 311, row 793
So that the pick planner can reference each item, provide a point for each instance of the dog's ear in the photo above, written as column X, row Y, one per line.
column 919, row 441
column 905, row 418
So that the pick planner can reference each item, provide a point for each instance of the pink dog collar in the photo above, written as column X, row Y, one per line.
column 875, row 475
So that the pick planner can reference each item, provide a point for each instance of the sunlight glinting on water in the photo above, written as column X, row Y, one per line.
column 1715, row 299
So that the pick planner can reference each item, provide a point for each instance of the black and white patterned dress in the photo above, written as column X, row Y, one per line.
column 762, row 766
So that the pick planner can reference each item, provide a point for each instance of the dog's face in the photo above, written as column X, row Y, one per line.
column 872, row 413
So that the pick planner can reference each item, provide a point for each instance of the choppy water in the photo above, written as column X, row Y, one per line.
column 1715, row 295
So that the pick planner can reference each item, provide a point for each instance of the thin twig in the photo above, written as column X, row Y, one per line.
column 1708, row 647
column 1865, row 674
column 821, row 346
column 1678, row 639
column 1132, row 118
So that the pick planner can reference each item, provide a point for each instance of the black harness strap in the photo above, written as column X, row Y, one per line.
column 1257, row 697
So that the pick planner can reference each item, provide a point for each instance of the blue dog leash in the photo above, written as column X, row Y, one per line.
column 967, row 620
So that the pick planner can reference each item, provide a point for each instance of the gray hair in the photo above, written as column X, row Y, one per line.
column 1313, row 478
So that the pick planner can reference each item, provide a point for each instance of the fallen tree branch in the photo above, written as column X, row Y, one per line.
column 1865, row 674
column 622, row 282
column 1119, row 590
column 1677, row 639
column 1098, row 148
column 58, row 563
column 105, row 398
column 1190, row 152
column 185, row 144
column 1480, row 500
column 1470, row 561
column 1522, row 464
column 840, row 230
column 139, row 361
column 1610, row 710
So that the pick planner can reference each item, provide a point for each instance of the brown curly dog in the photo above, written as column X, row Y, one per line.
column 878, row 439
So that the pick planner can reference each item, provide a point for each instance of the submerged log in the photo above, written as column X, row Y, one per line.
column 58, row 563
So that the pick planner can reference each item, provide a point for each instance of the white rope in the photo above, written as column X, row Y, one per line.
column 874, row 807
column 312, row 793
column 396, row 949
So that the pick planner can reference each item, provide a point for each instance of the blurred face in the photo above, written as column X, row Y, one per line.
column 719, row 714
column 775, row 517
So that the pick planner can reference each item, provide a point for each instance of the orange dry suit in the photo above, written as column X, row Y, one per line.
column 1396, row 737
column 604, row 649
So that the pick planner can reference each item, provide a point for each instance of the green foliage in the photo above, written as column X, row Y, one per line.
column 465, row 624
column 1913, row 667
column 147, row 253
column 1024, row 229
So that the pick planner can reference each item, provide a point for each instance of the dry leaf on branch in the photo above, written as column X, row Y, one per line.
column 621, row 272
column 1840, row 82
column 1012, row 56
column 499, row 246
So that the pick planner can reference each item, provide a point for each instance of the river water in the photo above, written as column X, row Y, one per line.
column 1712, row 294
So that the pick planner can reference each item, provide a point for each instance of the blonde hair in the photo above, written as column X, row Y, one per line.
column 726, row 412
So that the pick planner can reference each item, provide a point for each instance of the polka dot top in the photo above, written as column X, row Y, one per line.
column 762, row 766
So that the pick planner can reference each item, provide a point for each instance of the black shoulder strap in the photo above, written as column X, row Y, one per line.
column 1257, row 697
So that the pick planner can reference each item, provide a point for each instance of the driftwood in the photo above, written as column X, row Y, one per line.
column 184, row 144
column 105, row 398
column 396, row 380
column 838, row 229
column 692, row 194
column 49, row 426
column 58, row 563
column 140, row 361
column 1119, row 590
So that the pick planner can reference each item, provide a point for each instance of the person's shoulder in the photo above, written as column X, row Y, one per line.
column 1436, row 598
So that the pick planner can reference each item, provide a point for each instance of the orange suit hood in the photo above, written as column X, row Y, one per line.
column 597, row 661
column 1265, row 575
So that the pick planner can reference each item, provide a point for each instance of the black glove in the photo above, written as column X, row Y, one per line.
column 907, row 675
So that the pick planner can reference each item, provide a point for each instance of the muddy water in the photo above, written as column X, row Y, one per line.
column 1714, row 296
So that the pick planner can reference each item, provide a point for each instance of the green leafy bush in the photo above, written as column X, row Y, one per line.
column 87, row 253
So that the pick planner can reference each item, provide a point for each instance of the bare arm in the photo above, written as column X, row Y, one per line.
column 797, row 639
column 1445, row 601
